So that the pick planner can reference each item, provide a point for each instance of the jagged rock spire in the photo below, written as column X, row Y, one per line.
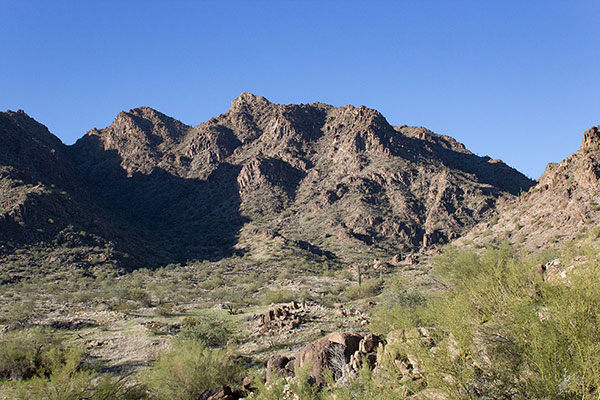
column 591, row 138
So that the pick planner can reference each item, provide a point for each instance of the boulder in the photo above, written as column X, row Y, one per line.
column 330, row 353
column 221, row 393
column 247, row 384
column 279, row 365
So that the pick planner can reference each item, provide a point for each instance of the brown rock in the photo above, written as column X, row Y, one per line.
column 369, row 343
column 220, row 393
column 331, row 352
column 247, row 384
column 591, row 138
column 279, row 365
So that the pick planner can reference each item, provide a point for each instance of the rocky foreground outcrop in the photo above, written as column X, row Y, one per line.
column 327, row 182
column 340, row 355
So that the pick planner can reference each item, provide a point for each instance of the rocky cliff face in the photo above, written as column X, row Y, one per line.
column 263, row 179
column 565, row 203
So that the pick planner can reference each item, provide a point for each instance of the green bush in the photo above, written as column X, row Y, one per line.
column 189, row 369
column 130, row 298
column 164, row 310
column 70, row 381
column 275, row 296
column 25, row 354
column 502, row 331
column 139, row 295
column 50, row 371
column 368, row 288
column 208, row 328
column 364, row 387
column 397, row 307
column 17, row 313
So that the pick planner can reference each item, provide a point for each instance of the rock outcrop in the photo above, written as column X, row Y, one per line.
column 591, row 138
column 284, row 317
column 331, row 353
column 340, row 354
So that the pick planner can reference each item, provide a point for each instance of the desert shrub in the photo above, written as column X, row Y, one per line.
column 368, row 288
column 17, row 313
column 397, row 307
column 126, row 298
column 139, row 295
column 367, row 386
column 70, row 381
column 274, row 296
column 51, row 371
column 24, row 354
column 344, row 273
column 211, row 329
column 364, row 386
column 279, row 388
column 211, row 284
column 502, row 331
column 164, row 310
column 189, row 369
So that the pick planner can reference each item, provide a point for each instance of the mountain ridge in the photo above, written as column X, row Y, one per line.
column 339, row 181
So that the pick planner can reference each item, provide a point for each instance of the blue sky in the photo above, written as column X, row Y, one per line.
column 516, row 80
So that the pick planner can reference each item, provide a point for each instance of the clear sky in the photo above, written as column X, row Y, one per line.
column 516, row 80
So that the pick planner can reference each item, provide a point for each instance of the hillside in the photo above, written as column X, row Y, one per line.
column 267, row 181
column 48, row 221
column 561, row 207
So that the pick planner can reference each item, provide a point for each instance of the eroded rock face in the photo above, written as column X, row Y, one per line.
column 340, row 354
column 280, row 365
column 284, row 317
column 591, row 138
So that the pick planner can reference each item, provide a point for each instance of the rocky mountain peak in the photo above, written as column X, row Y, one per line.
column 581, row 169
column 148, row 121
column 591, row 138
column 23, row 124
column 248, row 100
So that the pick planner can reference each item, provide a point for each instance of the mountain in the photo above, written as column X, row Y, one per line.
column 562, row 206
column 264, row 181
column 47, row 218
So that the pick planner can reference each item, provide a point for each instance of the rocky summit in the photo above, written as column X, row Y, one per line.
column 263, row 180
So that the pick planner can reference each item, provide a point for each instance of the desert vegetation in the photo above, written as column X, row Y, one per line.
column 495, row 323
